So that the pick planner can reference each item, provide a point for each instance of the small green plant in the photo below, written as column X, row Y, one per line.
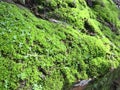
column 37, row 87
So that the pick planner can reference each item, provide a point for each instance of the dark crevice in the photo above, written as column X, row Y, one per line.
column 42, row 70
column 89, row 3
column 89, row 29
column 72, row 4
column 22, row 84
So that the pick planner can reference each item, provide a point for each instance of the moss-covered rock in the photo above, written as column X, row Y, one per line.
column 110, row 81
column 41, row 55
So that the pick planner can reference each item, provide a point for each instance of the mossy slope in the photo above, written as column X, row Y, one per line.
column 41, row 55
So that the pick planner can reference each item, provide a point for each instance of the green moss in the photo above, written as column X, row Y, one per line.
column 96, row 67
column 41, row 55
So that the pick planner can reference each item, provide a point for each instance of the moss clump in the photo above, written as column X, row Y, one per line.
column 41, row 55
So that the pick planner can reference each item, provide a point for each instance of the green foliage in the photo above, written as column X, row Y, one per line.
column 42, row 55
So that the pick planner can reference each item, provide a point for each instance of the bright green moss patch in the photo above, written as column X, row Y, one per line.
column 41, row 55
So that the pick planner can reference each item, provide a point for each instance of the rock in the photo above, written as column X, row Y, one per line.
column 54, row 20
column 117, row 2
column 83, row 82
column 81, row 85
column 89, row 3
